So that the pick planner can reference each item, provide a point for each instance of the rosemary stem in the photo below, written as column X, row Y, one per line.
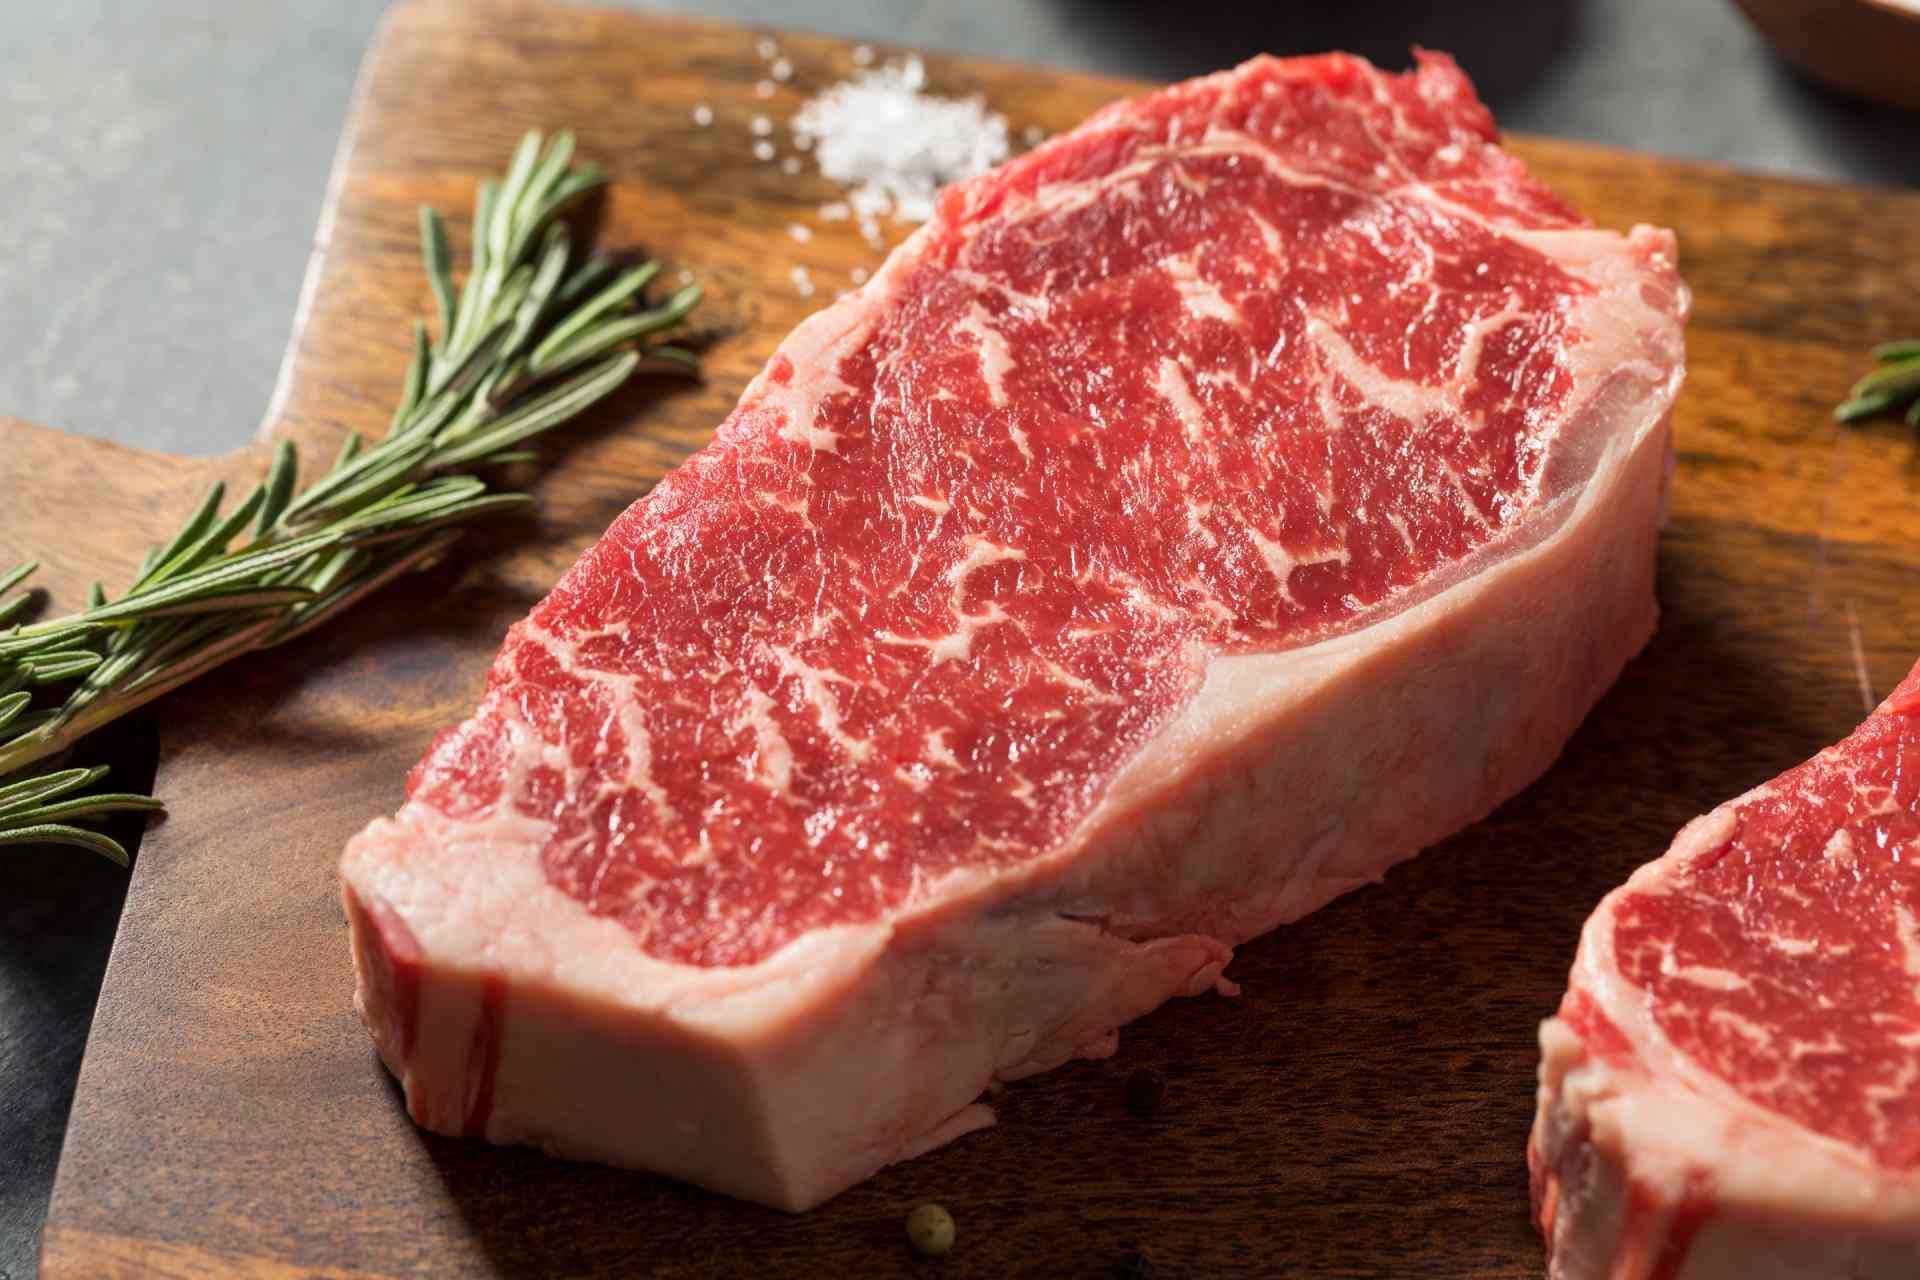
column 530, row 340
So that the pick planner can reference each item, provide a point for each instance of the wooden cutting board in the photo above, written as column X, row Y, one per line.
column 1360, row 1111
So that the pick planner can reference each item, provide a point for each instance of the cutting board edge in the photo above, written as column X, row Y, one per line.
column 273, row 418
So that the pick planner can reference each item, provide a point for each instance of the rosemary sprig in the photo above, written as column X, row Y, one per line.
column 528, row 341
column 1889, row 389
column 35, row 811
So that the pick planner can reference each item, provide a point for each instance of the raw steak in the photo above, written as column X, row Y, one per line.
column 1732, row 1086
column 1200, row 514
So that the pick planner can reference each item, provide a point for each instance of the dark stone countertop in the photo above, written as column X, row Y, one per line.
column 164, row 167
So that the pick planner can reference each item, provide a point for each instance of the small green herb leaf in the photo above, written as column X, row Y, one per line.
column 1891, row 389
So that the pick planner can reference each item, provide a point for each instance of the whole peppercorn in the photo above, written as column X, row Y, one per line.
column 1132, row 1264
column 1146, row 1092
column 930, row 1229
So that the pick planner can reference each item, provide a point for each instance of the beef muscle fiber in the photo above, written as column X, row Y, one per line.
column 1201, row 513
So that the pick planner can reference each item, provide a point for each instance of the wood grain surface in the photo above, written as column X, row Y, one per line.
column 1360, row 1111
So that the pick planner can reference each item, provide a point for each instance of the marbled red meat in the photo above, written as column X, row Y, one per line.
column 1203, row 401
column 1741, row 1038
column 1274, row 414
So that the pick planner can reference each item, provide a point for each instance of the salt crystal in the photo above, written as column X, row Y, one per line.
column 868, row 201
column 764, row 89
column 790, row 166
column 859, row 275
column 781, row 69
column 686, row 277
column 1034, row 135
column 862, row 55
column 763, row 151
column 703, row 115
column 766, row 48
column 761, row 126
column 836, row 211
column 893, row 146
column 802, row 281
column 800, row 232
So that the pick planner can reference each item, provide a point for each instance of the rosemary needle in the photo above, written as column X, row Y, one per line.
column 530, row 340
column 1893, row 387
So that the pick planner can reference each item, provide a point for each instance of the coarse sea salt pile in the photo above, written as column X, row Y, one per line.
column 879, row 135
column 893, row 145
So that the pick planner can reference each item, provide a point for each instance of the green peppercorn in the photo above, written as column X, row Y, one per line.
column 930, row 1229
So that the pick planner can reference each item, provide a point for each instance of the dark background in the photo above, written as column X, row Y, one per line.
column 163, row 165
